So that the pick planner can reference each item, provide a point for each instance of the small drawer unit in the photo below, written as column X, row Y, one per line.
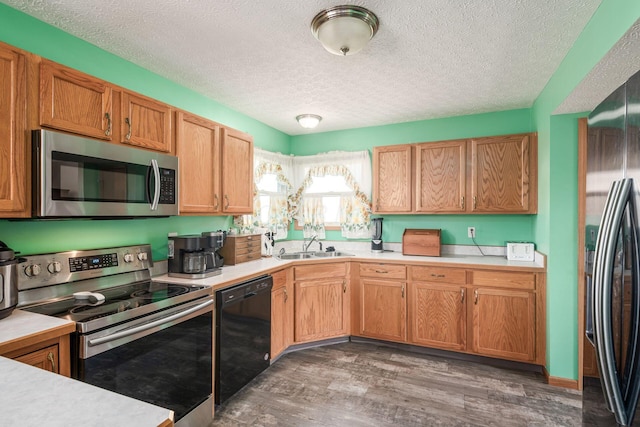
column 240, row 248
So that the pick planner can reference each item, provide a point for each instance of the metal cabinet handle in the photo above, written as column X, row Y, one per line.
column 108, row 131
column 475, row 296
column 53, row 361
column 215, row 197
column 381, row 271
column 344, row 286
column 226, row 199
column 437, row 275
column 462, row 202
column 378, row 204
column 402, row 291
column 286, row 295
column 128, row 135
column 475, row 202
column 461, row 295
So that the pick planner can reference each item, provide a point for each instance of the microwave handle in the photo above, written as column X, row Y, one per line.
column 156, row 189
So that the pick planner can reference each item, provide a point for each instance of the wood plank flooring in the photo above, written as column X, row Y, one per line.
column 366, row 384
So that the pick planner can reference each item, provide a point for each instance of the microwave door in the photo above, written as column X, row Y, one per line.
column 616, row 303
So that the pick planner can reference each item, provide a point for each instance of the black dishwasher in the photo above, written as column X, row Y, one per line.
column 243, row 335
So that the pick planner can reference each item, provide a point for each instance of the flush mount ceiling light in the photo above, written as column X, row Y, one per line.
column 308, row 121
column 344, row 30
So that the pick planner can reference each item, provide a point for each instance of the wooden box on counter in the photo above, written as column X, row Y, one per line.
column 425, row 242
column 239, row 248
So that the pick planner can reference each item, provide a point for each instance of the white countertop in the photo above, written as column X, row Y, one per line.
column 31, row 396
column 34, row 397
column 20, row 324
column 235, row 273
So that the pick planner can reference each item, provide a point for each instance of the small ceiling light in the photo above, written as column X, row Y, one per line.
column 308, row 121
column 344, row 30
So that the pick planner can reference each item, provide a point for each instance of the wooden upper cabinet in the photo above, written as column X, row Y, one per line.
column 198, row 151
column 75, row 102
column 441, row 176
column 237, row 172
column 392, row 179
column 145, row 123
column 483, row 175
column 14, row 165
column 503, row 177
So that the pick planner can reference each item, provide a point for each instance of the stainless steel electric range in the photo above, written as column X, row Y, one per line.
column 147, row 340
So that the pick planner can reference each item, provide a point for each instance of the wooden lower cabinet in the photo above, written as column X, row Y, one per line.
column 321, row 302
column 281, row 312
column 49, row 351
column 504, row 323
column 438, row 315
column 383, row 309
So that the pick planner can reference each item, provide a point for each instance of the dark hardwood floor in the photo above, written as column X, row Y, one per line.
column 365, row 384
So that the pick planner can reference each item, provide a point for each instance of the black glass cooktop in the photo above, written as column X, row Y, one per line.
column 116, row 300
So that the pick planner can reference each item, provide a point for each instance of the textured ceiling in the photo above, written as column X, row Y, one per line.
column 435, row 58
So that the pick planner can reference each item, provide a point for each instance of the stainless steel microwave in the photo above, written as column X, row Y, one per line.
column 81, row 177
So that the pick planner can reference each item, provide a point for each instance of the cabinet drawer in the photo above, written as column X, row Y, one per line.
column 439, row 274
column 504, row 279
column 390, row 271
column 247, row 257
column 247, row 241
column 323, row 271
column 279, row 279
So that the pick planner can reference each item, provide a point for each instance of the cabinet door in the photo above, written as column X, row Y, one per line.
column 237, row 172
column 441, row 176
column 392, row 179
column 501, row 174
column 383, row 309
column 45, row 358
column 320, row 309
column 198, row 150
column 75, row 102
column 146, row 123
column 281, row 314
column 13, row 147
column 504, row 323
column 438, row 315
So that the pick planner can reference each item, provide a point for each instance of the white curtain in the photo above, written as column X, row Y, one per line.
column 358, row 163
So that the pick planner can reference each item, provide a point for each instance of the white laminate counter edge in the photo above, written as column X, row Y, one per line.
column 20, row 324
column 239, row 272
column 34, row 397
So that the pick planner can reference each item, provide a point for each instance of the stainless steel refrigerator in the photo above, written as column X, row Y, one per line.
column 613, row 252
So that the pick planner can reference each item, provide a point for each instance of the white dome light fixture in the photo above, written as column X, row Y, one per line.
column 308, row 121
column 344, row 30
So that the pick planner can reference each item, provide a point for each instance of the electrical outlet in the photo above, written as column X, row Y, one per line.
column 471, row 232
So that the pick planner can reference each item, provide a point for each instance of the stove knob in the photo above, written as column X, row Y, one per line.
column 128, row 257
column 142, row 256
column 32, row 270
column 54, row 267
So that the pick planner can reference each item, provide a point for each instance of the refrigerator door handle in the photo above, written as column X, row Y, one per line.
column 619, row 397
column 589, row 315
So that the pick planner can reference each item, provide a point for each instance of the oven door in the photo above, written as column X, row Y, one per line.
column 87, row 178
column 164, row 359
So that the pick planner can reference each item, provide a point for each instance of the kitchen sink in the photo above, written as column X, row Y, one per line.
column 307, row 255
column 330, row 254
column 296, row 255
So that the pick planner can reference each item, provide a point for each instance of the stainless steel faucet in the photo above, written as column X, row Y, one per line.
column 305, row 245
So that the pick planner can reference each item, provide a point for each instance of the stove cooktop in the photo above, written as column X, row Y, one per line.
column 120, row 303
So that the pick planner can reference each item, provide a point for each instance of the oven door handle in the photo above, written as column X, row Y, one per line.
column 150, row 325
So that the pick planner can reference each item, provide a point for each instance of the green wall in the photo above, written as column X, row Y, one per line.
column 490, row 229
column 555, row 226
column 30, row 237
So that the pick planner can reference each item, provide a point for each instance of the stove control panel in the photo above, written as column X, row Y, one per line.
column 72, row 266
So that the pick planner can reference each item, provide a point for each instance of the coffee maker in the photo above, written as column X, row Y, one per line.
column 196, row 256
column 376, row 235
